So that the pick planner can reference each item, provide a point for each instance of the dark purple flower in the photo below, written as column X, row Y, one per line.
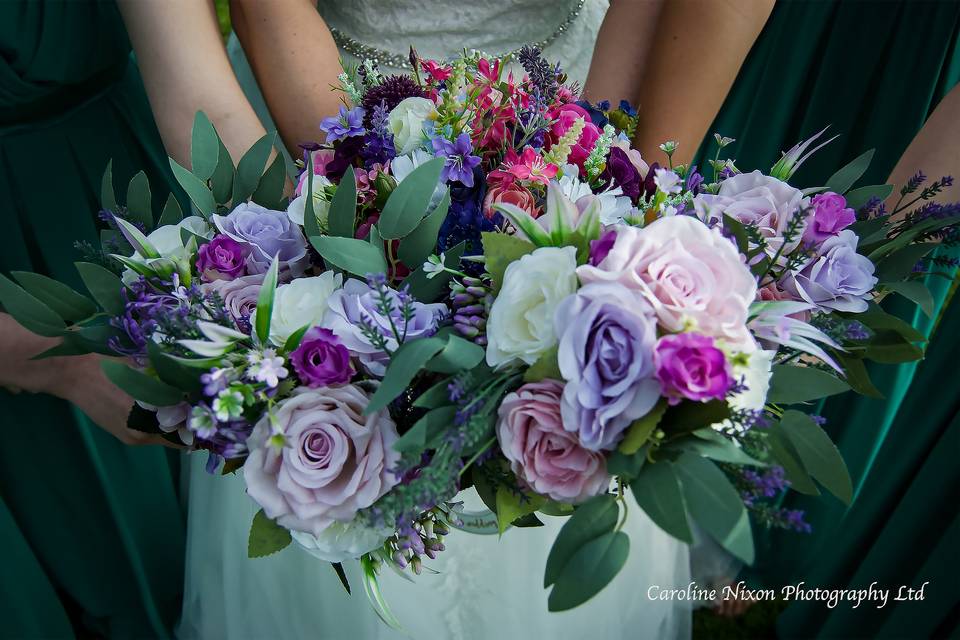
column 223, row 258
column 597, row 113
column 459, row 161
column 321, row 359
column 694, row 180
column 390, row 92
column 623, row 173
column 600, row 247
column 348, row 123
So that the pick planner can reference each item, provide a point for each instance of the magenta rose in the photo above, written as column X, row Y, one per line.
column 830, row 216
column 689, row 365
column 509, row 193
column 331, row 462
column 548, row 458
column 321, row 359
column 223, row 258
column 565, row 115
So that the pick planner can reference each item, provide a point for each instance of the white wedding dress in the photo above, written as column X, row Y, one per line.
column 487, row 587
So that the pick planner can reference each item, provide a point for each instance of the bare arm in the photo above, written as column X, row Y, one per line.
column 622, row 50
column 185, row 69
column 294, row 59
column 698, row 49
column 935, row 150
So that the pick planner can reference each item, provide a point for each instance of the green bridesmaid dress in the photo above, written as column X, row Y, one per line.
column 92, row 531
column 874, row 71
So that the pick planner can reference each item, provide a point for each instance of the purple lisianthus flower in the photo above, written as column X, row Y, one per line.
column 268, row 233
column 623, row 173
column 358, row 303
column 600, row 247
column 223, row 258
column 606, row 338
column 459, row 162
column 689, row 365
column 836, row 278
column 830, row 216
column 348, row 123
column 321, row 359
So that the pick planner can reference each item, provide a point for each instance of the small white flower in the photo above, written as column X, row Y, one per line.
column 667, row 181
column 434, row 266
column 228, row 405
column 266, row 367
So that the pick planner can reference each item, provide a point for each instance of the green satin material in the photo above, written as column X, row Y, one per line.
column 875, row 71
column 92, row 532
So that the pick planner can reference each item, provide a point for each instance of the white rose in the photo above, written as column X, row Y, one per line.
column 341, row 541
column 301, row 303
column 402, row 166
column 406, row 123
column 321, row 206
column 168, row 241
column 520, row 326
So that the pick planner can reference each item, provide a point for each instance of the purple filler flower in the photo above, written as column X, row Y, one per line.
column 321, row 359
column 348, row 123
column 268, row 233
column 830, row 216
column 606, row 339
column 223, row 258
column 459, row 165
column 689, row 365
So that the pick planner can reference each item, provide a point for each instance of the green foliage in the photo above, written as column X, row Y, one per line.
column 457, row 355
column 269, row 192
column 641, row 429
column 784, row 453
column 406, row 206
column 545, row 367
column 358, row 257
column 266, row 537
column 108, row 197
column 140, row 386
column 250, row 167
column 29, row 311
column 406, row 362
column 657, row 490
column 915, row 291
column 690, row 416
column 513, row 505
column 846, row 176
column 591, row 520
column 422, row 241
column 589, row 570
column 64, row 301
column 858, row 197
column 427, row 289
column 204, row 147
column 342, row 217
column 171, row 214
column 268, row 291
column 196, row 189
column 791, row 384
column 139, row 205
column 500, row 250
column 818, row 454
column 425, row 430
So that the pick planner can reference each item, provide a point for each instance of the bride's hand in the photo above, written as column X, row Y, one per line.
column 77, row 379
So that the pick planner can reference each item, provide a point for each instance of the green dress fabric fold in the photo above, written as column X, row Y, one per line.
column 92, row 530
column 874, row 71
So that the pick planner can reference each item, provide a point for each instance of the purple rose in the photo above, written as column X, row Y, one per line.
column 334, row 460
column 624, row 174
column 689, row 365
column 830, row 216
column 223, row 258
column 547, row 457
column 238, row 295
column 836, row 278
column 268, row 233
column 321, row 359
column 606, row 337
column 357, row 301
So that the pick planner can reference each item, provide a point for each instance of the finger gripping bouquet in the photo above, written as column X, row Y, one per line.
column 479, row 282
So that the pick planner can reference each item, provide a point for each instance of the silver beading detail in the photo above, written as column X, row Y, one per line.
column 389, row 59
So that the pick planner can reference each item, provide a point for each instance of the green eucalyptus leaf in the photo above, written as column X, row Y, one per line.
column 108, row 197
column 104, row 285
column 221, row 182
column 250, row 167
column 196, row 189
column 657, row 490
column 417, row 246
column 342, row 217
column 295, row 339
column 546, row 366
column 427, row 289
column 513, row 505
column 424, row 430
column 172, row 214
column 140, row 386
column 915, row 291
column 266, row 537
column 711, row 444
column 784, row 454
column 500, row 250
column 641, row 429
column 857, row 375
column 406, row 362
column 591, row 520
column 65, row 302
column 140, row 243
column 858, row 197
column 791, row 384
column 819, row 455
column 30, row 312
column 358, row 257
column 842, row 180
column 409, row 201
column 268, row 291
column 590, row 569
column 269, row 192
column 139, row 203
column 204, row 147
column 900, row 263
column 458, row 355
column 882, row 322
column 435, row 396
column 171, row 371
column 690, row 416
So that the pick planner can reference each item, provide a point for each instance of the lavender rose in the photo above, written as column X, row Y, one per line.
column 830, row 216
column 335, row 462
column 238, row 295
column 541, row 452
column 836, row 278
column 357, row 302
column 321, row 359
column 606, row 338
column 223, row 258
column 689, row 365
column 268, row 233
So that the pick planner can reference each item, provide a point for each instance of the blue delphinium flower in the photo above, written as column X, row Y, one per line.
column 348, row 123
column 460, row 163
column 627, row 108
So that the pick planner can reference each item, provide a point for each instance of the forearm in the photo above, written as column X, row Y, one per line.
column 185, row 69
column 698, row 49
column 622, row 50
column 295, row 61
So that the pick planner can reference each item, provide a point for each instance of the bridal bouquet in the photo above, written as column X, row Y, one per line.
column 478, row 282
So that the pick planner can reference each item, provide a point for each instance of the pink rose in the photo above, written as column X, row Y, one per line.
column 321, row 158
column 541, row 452
column 565, row 115
column 509, row 193
column 692, row 276
column 334, row 461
